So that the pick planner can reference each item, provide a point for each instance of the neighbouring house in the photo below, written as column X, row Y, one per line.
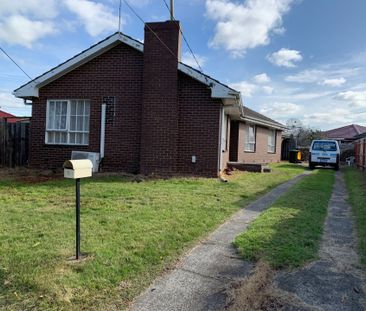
column 345, row 134
column 144, row 111
column 9, row 118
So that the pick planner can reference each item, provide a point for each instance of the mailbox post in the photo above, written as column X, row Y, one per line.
column 76, row 169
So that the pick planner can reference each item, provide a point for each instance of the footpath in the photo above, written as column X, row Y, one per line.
column 200, row 280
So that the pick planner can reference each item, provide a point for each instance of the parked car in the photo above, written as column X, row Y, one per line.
column 324, row 152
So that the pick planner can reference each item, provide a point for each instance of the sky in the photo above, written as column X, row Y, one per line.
column 291, row 59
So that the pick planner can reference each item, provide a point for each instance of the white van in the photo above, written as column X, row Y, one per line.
column 324, row 152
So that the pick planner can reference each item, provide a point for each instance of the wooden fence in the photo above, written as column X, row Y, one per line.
column 14, row 143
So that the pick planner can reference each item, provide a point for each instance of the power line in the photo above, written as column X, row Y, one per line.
column 155, row 34
column 14, row 62
column 184, row 38
column 119, row 15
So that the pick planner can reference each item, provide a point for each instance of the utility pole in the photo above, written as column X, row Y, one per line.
column 172, row 10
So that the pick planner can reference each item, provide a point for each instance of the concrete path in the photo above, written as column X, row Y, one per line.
column 335, row 281
column 200, row 280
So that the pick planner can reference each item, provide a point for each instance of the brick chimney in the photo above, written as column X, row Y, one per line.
column 159, row 132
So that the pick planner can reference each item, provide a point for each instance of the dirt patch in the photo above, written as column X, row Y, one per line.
column 254, row 292
column 27, row 175
column 259, row 292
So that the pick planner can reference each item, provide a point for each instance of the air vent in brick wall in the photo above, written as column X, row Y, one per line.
column 110, row 102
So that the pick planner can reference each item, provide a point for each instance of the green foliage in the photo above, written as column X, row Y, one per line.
column 356, row 186
column 131, row 231
column 289, row 232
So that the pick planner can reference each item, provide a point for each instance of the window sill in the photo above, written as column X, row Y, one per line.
column 248, row 151
column 66, row 145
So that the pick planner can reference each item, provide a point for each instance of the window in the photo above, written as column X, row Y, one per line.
column 249, row 144
column 225, row 132
column 325, row 146
column 272, row 141
column 67, row 122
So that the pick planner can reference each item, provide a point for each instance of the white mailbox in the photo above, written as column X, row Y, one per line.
column 78, row 168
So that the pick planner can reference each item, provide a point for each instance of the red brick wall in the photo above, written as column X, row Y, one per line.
column 159, row 134
column 118, row 73
column 199, row 123
column 261, row 154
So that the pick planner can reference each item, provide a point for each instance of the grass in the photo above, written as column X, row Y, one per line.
column 289, row 232
column 131, row 231
column 356, row 186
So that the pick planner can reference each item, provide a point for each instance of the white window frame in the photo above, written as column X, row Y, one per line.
column 272, row 136
column 67, row 130
column 250, row 142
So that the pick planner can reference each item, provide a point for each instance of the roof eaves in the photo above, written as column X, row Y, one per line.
column 30, row 89
column 274, row 124
column 76, row 61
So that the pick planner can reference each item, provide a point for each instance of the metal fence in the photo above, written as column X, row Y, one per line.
column 14, row 143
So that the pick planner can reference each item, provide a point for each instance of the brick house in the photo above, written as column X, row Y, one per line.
column 10, row 118
column 144, row 111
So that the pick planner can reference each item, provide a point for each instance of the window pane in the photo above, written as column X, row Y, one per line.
column 72, row 123
column 63, row 137
column 79, row 138
column 80, row 108
column 87, row 108
column 63, row 122
column 57, row 137
column 50, row 137
column 57, row 122
column 73, row 107
column 86, row 139
column 80, row 123
column 86, row 124
column 51, row 115
column 58, row 108
column 64, row 108
column 72, row 138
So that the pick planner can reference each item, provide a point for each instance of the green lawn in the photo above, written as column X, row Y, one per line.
column 132, row 232
column 289, row 232
column 356, row 186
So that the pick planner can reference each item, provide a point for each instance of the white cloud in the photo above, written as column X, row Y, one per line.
column 96, row 17
column 44, row 9
column 354, row 98
column 267, row 89
column 20, row 30
column 336, row 82
column 261, row 78
column 7, row 100
column 306, row 76
column 25, row 22
column 188, row 59
column 330, row 116
column 285, row 58
column 247, row 89
column 282, row 111
column 242, row 26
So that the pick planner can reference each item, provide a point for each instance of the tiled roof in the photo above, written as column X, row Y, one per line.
column 256, row 115
column 345, row 132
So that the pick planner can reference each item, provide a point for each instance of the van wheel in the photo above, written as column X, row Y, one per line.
column 311, row 165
